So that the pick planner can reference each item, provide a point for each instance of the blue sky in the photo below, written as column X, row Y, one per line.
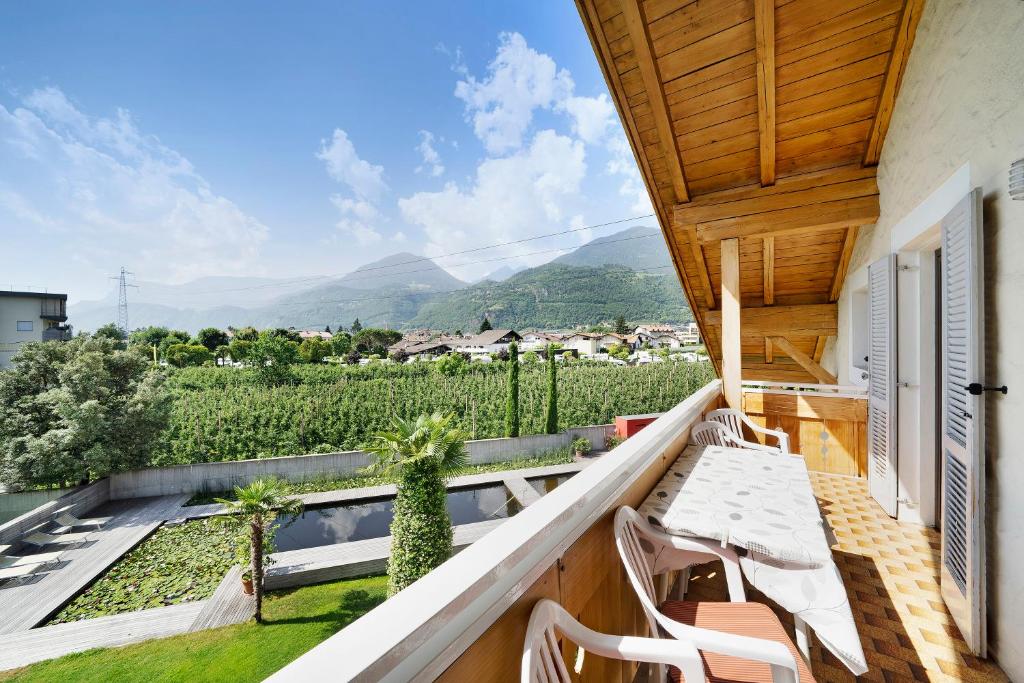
column 192, row 139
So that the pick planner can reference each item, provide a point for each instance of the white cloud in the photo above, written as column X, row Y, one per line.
column 525, row 193
column 578, row 223
column 518, row 80
column 592, row 117
column 431, row 159
column 623, row 163
column 116, row 195
column 358, row 217
column 345, row 166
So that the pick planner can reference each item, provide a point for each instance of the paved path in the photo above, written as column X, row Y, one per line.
column 30, row 602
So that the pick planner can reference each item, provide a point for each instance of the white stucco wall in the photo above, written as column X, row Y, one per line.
column 961, row 108
column 13, row 309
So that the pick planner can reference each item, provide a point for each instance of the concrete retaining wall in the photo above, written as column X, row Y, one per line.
column 79, row 502
column 222, row 476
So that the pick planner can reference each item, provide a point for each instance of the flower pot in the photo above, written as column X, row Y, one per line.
column 580, row 454
column 247, row 585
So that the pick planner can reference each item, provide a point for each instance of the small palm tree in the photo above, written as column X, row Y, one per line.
column 422, row 453
column 256, row 508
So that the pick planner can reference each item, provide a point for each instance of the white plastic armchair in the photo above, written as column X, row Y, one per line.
column 735, row 419
column 542, row 658
column 638, row 568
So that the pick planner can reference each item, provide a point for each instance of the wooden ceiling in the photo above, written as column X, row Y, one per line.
column 760, row 120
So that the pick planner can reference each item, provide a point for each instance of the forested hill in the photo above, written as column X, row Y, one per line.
column 556, row 296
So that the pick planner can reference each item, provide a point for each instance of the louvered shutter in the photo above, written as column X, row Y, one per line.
column 963, row 421
column 882, row 475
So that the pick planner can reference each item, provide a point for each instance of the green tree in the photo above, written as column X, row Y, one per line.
column 375, row 341
column 356, row 326
column 621, row 327
column 175, row 337
column 423, row 454
column 78, row 410
column 112, row 331
column 551, row 407
column 188, row 355
column 238, row 349
column 148, row 337
column 530, row 357
column 485, row 325
column 314, row 349
column 222, row 352
column 248, row 333
column 512, row 400
column 211, row 338
column 255, row 511
column 451, row 364
column 272, row 355
column 341, row 344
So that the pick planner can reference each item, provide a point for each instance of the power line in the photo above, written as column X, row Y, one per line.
column 441, row 256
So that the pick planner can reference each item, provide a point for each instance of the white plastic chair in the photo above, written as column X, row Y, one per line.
column 717, row 434
column 542, row 658
column 639, row 570
column 735, row 419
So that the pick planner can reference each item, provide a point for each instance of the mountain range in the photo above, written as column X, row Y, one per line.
column 628, row 273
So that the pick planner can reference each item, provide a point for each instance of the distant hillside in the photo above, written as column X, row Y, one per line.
column 403, row 270
column 639, row 248
column 559, row 296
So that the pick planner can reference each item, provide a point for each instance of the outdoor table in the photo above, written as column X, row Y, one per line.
column 762, row 505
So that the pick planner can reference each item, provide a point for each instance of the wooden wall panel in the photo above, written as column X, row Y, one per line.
column 829, row 432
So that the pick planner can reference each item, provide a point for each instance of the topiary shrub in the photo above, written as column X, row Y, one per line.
column 422, row 454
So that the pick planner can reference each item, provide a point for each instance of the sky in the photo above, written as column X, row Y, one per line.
column 290, row 140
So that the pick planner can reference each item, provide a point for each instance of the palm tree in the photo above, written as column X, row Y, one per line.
column 255, row 509
column 422, row 453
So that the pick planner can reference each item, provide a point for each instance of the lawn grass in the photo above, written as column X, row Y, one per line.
column 296, row 620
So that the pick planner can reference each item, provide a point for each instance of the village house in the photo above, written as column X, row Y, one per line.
column 487, row 342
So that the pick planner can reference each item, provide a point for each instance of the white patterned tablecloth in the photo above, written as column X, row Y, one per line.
column 763, row 505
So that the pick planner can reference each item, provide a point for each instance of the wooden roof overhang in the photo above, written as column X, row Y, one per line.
column 757, row 125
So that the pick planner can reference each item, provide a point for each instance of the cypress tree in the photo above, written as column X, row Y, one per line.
column 551, row 412
column 512, row 401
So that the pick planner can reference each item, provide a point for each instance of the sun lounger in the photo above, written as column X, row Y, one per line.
column 68, row 520
column 39, row 558
column 41, row 538
column 20, row 571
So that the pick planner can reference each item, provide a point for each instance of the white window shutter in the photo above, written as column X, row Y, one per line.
column 882, row 474
column 963, row 421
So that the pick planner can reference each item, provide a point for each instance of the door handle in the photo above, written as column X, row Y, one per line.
column 975, row 389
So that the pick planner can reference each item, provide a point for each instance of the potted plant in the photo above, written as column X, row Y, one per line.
column 247, row 582
column 581, row 446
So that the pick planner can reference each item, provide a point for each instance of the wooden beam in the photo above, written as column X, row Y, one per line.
column 808, row 320
column 819, row 349
column 849, row 240
column 768, row 261
column 808, row 188
column 702, row 267
column 764, row 28
column 803, row 360
column 845, row 213
column 636, row 25
column 902, row 43
column 769, row 355
column 731, row 354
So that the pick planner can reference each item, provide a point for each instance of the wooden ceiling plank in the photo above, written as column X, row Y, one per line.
column 764, row 26
column 900, row 54
column 768, row 265
column 844, row 263
column 803, row 360
column 637, row 26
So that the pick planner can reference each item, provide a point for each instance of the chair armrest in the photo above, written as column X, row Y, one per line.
column 777, row 655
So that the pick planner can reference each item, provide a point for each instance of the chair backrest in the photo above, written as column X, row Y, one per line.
column 713, row 434
column 628, row 541
column 542, row 658
column 730, row 417
column 67, row 520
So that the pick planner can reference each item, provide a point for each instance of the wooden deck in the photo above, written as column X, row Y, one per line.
column 891, row 575
column 26, row 647
column 30, row 602
column 228, row 604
